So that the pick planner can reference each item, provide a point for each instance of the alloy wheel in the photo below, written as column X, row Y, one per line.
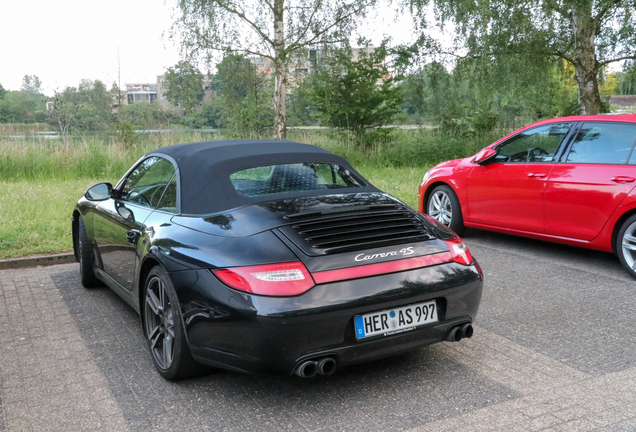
column 440, row 208
column 159, row 322
column 629, row 246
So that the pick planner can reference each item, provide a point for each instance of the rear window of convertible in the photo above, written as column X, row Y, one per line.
column 273, row 179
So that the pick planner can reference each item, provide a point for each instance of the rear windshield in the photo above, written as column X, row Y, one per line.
column 273, row 179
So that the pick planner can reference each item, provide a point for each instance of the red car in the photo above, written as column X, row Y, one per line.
column 568, row 180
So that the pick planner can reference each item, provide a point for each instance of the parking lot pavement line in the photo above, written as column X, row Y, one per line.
column 37, row 354
column 554, row 396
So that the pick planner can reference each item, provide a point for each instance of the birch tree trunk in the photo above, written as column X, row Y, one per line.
column 585, row 63
column 280, row 73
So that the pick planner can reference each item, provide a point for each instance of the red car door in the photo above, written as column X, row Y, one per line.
column 508, row 195
column 583, row 192
column 508, row 191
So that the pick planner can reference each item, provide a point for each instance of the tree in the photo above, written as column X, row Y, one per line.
column 354, row 94
column 17, row 107
column 627, row 79
column 589, row 34
column 298, row 105
column 427, row 91
column 95, row 105
column 31, row 84
column 86, row 107
column 278, row 30
column 32, row 87
column 183, row 85
column 62, row 111
column 2, row 92
column 245, row 94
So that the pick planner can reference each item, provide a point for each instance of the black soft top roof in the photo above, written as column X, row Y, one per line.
column 205, row 168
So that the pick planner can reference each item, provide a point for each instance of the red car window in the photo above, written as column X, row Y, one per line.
column 603, row 143
column 534, row 145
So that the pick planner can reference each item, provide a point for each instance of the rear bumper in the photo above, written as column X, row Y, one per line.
column 257, row 334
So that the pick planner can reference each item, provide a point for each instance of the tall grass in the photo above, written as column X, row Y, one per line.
column 83, row 157
column 88, row 157
column 40, row 180
column 12, row 128
column 401, row 148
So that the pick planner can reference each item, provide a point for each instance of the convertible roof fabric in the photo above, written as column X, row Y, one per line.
column 204, row 170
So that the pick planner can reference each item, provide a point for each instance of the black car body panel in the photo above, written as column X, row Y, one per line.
column 267, row 334
column 327, row 230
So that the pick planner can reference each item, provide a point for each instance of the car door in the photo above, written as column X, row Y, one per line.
column 508, row 190
column 120, row 222
column 595, row 176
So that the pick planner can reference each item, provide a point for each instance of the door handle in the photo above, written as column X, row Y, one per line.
column 537, row 175
column 623, row 179
column 133, row 235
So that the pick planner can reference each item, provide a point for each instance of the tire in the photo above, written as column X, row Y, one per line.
column 164, row 329
column 626, row 245
column 443, row 205
column 87, row 270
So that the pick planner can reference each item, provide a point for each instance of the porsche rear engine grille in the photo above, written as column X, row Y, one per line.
column 353, row 228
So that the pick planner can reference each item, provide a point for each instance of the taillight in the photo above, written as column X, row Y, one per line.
column 459, row 251
column 286, row 279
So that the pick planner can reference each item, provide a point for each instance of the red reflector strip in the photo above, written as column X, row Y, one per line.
column 381, row 268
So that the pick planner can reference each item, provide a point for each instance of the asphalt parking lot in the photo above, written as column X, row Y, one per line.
column 554, row 349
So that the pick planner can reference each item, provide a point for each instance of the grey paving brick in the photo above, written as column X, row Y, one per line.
column 33, row 363
column 578, row 314
column 541, row 359
column 2, row 426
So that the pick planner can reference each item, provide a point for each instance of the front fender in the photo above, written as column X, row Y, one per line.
column 453, row 173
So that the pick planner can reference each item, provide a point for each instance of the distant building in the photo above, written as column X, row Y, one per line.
column 165, row 103
column 141, row 92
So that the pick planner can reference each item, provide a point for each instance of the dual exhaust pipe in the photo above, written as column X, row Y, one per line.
column 459, row 332
column 321, row 365
column 327, row 365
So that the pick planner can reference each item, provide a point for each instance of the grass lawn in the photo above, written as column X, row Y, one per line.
column 402, row 182
column 35, row 214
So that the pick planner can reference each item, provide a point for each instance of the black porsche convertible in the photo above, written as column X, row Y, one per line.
column 271, row 257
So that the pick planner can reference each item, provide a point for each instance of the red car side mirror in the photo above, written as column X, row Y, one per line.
column 485, row 154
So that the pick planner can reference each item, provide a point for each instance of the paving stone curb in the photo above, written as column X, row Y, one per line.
column 37, row 260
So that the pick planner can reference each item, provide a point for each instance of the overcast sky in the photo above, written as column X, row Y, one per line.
column 65, row 41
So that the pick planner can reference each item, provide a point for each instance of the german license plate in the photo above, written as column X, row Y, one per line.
column 394, row 321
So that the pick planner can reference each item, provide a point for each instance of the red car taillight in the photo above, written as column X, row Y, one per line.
column 286, row 279
column 459, row 251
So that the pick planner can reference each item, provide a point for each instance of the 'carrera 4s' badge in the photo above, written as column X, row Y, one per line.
column 402, row 252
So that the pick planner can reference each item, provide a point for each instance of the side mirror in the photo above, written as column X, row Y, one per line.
column 99, row 192
column 484, row 155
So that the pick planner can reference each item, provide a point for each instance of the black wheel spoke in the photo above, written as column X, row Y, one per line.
column 169, row 317
column 162, row 296
column 153, row 333
column 167, row 349
column 153, row 302
column 153, row 344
